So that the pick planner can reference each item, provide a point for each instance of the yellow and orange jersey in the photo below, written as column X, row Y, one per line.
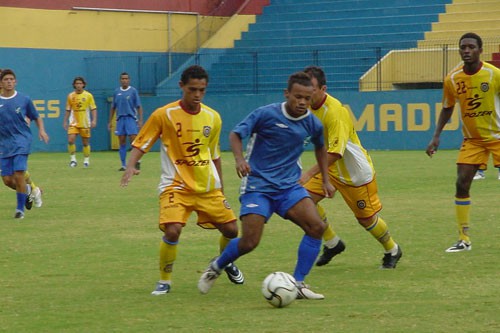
column 189, row 144
column 478, row 99
column 80, row 106
column 355, row 168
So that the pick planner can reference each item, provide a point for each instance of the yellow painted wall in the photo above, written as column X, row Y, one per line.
column 225, row 37
column 91, row 30
column 115, row 31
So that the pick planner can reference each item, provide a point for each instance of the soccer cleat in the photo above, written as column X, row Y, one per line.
column 19, row 215
column 479, row 175
column 29, row 201
column 86, row 164
column 36, row 197
column 73, row 164
column 138, row 166
column 234, row 274
column 122, row 168
column 389, row 261
column 328, row 253
column 459, row 247
column 304, row 292
column 161, row 289
column 208, row 278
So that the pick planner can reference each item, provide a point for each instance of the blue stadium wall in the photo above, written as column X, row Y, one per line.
column 385, row 120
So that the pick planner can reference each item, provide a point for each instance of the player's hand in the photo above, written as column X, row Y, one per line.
column 43, row 137
column 242, row 167
column 328, row 190
column 127, row 175
column 432, row 147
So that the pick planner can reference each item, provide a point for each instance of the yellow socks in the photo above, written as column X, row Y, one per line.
column 86, row 151
column 462, row 208
column 71, row 149
column 380, row 231
column 168, row 254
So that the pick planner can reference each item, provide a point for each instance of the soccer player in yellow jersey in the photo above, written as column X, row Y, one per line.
column 475, row 87
column 351, row 172
column 80, row 117
column 191, row 178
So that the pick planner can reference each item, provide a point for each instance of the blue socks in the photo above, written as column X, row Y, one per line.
column 308, row 251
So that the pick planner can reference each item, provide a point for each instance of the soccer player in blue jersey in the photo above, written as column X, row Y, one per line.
column 127, row 106
column 16, row 137
column 270, row 173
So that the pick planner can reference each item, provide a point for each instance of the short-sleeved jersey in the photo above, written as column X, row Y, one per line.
column 80, row 106
column 478, row 99
column 15, row 133
column 355, row 168
column 189, row 144
column 276, row 142
column 126, row 102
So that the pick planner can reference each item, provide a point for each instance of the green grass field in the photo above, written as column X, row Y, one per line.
column 87, row 260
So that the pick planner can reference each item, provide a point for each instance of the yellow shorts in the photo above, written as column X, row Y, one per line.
column 477, row 152
column 363, row 200
column 84, row 132
column 212, row 208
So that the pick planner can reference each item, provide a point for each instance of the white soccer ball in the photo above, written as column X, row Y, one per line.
column 279, row 289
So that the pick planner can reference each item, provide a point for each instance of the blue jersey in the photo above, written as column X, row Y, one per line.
column 126, row 102
column 276, row 143
column 15, row 133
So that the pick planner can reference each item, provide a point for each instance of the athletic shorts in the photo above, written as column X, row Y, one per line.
column 83, row 132
column 477, row 152
column 212, row 208
column 14, row 163
column 363, row 200
column 126, row 126
column 265, row 204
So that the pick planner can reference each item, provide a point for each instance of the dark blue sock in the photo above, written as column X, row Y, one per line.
column 309, row 249
column 230, row 253
column 123, row 154
column 21, row 200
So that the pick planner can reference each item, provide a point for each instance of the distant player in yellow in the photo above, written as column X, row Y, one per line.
column 191, row 178
column 475, row 87
column 351, row 173
column 80, row 117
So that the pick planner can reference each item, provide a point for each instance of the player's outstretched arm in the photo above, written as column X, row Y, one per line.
column 135, row 156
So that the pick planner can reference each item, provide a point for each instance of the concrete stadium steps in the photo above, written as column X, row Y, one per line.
column 345, row 37
column 459, row 31
column 328, row 40
column 304, row 6
column 469, row 17
column 471, row 7
column 484, row 24
column 345, row 23
column 316, row 31
column 319, row 14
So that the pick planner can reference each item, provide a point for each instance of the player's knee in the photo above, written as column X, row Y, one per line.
column 247, row 245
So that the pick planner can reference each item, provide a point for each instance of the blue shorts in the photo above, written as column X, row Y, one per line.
column 14, row 163
column 266, row 204
column 126, row 126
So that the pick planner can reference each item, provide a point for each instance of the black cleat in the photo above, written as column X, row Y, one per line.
column 328, row 253
column 29, row 202
column 389, row 261
column 234, row 274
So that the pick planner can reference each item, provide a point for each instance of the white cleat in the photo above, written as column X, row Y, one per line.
column 36, row 195
column 305, row 293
